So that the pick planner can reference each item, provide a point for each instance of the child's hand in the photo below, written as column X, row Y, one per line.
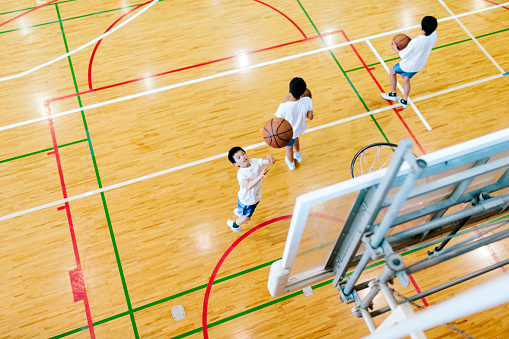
column 287, row 97
column 395, row 47
column 271, row 160
column 264, row 172
column 307, row 93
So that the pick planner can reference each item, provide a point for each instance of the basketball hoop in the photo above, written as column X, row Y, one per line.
column 372, row 158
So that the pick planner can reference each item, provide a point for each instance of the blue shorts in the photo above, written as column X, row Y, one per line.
column 291, row 143
column 247, row 210
column 401, row 72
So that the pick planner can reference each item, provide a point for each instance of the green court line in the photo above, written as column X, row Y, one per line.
column 29, row 8
column 291, row 295
column 103, row 197
column 219, row 280
column 344, row 73
column 194, row 289
column 41, row 151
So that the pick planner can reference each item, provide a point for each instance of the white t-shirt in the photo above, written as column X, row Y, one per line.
column 252, row 196
column 414, row 56
column 295, row 113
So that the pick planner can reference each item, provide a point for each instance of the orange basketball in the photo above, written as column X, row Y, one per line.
column 277, row 132
column 401, row 41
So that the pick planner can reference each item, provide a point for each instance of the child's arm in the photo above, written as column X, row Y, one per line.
column 309, row 114
column 251, row 183
column 395, row 48
column 270, row 160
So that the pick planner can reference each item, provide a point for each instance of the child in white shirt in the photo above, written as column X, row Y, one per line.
column 250, row 176
column 296, row 107
column 413, row 59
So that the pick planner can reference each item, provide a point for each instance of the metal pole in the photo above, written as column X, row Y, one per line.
column 404, row 191
column 393, row 304
column 447, row 219
column 369, row 297
column 430, row 261
column 477, row 299
column 357, row 273
column 444, row 286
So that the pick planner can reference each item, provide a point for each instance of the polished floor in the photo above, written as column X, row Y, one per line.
column 115, row 183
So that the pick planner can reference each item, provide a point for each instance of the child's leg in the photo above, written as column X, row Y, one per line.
column 393, row 80
column 297, row 145
column 289, row 152
column 406, row 86
column 242, row 220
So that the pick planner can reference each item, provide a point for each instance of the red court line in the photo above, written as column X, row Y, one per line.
column 188, row 67
column 417, row 289
column 25, row 13
column 495, row 3
column 300, row 30
column 232, row 246
column 202, row 64
column 396, row 110
column 220, row 262
column 99, row 42
column 491, row 251
column 83, row 296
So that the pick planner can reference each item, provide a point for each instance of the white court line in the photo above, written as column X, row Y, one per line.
column 428, row 127
column 219, row 156
column 14, row 76
column 133, row 96
column 472, row 37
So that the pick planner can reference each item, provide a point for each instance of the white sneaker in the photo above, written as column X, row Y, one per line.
column 234, row 229
column 291, row 165
column 403, row 102
column 390, row 96
column 297, row 156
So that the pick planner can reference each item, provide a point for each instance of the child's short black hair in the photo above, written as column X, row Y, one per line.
column 429, row 24
column 232, row 153
column 297, row 87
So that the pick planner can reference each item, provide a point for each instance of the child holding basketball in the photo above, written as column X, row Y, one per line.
column 413, row 59
column 250, row 176
column 296, row 107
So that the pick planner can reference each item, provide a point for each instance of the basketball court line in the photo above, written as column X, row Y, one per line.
column 25, row 13
column 219, row 156
column 77, row 280
column 396, row 110
column 154, row 1
column 472, row 37
column 238, row 70
column 19, row 75
column 99, row 183
column 243, row 272
column 262, row 143
column 354, row 69
column 410, row 101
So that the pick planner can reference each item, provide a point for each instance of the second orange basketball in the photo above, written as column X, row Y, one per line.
column 401, row 41
column 277, row 132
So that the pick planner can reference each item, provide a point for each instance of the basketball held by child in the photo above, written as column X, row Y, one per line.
column 401, row 41
column 277, row 132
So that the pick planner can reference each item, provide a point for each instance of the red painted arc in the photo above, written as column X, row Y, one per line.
column 382, row 90
column 277, row 10
column 220, row 262
column 99, row 42
column 139, row 6
column 232, row 246
column 25, row 13
column 185, row 68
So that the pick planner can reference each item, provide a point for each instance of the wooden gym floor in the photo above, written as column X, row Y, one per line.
column 115, row 184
